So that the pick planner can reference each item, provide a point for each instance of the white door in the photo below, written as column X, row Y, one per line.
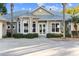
column 42, row 28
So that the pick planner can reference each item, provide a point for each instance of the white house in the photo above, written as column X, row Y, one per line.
column 39, row 20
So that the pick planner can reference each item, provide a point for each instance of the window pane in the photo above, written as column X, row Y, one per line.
column 34, row 27
column 43, row 31
column 53, row 27
column 57, row 25
column 34, row 30
column 25, row 27
column 40, row 31
column 25, row 24
column 25, row 30
column 19, row 26
column 57, row 29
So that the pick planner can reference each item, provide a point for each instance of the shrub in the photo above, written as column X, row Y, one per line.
column 8, row 34
column 18, row 35
column 52, row 35
column 31, row 35
column 68, row 35
column 35, row 34
column 74, row 33
column 4, row 36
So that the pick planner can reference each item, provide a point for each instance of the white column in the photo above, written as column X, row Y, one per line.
column 30, row 27
column 5, row 28
column 47, row 27
column 17, row 27
column 21, row 26
column 37, row 27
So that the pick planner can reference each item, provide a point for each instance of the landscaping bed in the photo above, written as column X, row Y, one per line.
column 18, row 35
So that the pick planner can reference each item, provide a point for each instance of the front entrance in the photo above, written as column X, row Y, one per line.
column 42, row 28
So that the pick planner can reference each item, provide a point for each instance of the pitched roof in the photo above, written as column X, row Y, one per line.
column 54, row 15
column 43, row 9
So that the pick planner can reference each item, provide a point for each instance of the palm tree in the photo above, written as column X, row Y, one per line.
column 64, row 8
column 12, row 6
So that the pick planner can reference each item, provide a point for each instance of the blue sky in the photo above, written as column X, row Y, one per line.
column 31, row 6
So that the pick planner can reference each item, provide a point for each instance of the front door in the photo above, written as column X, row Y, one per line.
column 42, row 28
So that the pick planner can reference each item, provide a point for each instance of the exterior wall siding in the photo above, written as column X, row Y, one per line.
column 1, row 23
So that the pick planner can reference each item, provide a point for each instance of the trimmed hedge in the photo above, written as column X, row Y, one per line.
column 52, row 35
column 18, row 36
column 29, row 35
column 8, row 34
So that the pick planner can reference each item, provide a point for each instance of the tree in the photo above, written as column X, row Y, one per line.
column 70, row 10
column 3, row 9
column 64, row 8
column 74, row 19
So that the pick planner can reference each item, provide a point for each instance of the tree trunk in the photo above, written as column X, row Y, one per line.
column 11, row 5
column 64, row 8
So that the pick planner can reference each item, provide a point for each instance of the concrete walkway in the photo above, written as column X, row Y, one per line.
column 38, row 47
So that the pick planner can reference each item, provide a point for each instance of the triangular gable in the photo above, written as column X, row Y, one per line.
column 41, row 11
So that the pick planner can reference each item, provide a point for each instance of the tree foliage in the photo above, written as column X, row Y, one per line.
column 3, row 9
column 72, row 10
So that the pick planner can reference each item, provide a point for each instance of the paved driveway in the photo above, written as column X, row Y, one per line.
column 38, row 47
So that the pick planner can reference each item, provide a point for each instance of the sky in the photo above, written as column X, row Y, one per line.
column 31, row 6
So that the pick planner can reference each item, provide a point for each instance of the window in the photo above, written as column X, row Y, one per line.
column 40, row 29
column 19, row 26
column 13, row 27
column 25, row 27
column 34, row 27
column 55, row 27
column 25, row 24
column 43, row 28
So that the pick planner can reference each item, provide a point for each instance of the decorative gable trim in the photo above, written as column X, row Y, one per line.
column 43, row 9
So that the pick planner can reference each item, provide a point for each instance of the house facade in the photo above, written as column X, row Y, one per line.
column 39, row 20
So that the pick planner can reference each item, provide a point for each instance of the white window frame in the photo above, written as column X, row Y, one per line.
column 25, row 21
column 55, row 27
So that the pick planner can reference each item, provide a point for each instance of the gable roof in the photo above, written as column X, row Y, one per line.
column 54, row 14
column 43, row 9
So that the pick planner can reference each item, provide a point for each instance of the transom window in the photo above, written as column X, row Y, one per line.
column 55, row 27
